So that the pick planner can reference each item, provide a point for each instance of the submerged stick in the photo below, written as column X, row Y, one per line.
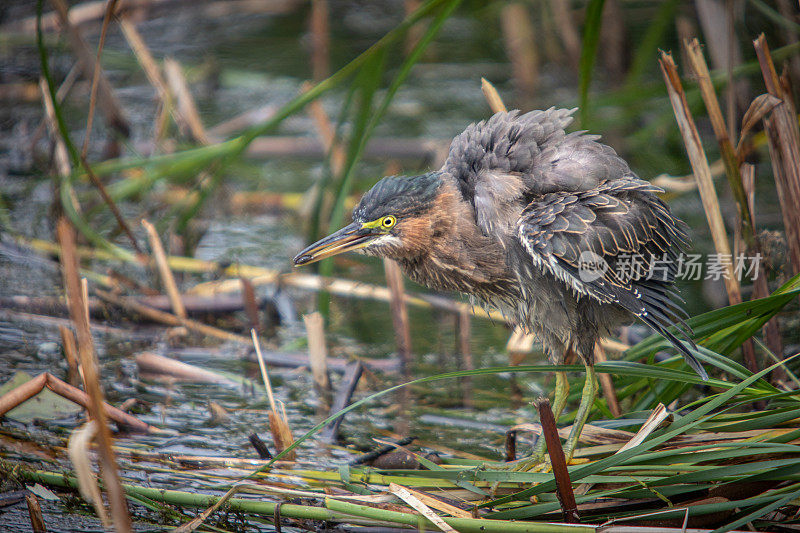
column 349, row 382
column 168, row 318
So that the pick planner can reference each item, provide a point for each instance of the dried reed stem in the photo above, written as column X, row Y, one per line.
column 278, row 423
column 164, row 271
column 784, row 145
column 413, row 500
column 729, row 156
column 91, row 377
column 702, row 172
column 319, row 29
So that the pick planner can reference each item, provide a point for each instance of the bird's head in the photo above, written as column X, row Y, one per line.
column 393, row 219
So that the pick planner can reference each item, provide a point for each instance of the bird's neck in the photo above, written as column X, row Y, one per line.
column 457, row 256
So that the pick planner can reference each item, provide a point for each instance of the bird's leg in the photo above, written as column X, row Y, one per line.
column 587, row 400
column 559, row 402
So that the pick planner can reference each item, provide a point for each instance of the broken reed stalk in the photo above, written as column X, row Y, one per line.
column 784, row 147
column 250, row 303
column 559, row 463
column 152, row 363
column 153, row 73
column 278, row 424
column 164, row 271
column 88, row 358
column 729, row 156
column 318, row 355
column 31, row 388
column 433, row 502
column 702, row 172
column 492, row 97
column 352, row 374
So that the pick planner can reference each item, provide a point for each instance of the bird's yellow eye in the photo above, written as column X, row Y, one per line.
column 388, row 221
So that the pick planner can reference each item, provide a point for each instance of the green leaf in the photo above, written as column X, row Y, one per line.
column 591, row 38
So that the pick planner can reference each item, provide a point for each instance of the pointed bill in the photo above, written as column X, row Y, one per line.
column 348, row 238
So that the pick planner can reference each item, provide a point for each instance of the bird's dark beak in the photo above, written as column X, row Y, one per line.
column 348, row 238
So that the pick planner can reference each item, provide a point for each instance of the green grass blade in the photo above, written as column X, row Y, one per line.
column 591, row 38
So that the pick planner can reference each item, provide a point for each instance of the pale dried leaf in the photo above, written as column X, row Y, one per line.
column 652, row 423
column 759, row 107
column 405, row 494
column 78, row 447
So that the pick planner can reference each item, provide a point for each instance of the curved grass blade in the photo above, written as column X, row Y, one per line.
column 591, row 37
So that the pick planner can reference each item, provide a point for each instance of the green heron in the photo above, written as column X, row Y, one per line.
column 542, row 224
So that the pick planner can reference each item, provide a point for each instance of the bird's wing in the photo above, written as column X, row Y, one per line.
column 604, row 243
column 500, row 163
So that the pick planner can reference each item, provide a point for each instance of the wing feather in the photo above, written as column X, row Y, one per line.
column 618, row 220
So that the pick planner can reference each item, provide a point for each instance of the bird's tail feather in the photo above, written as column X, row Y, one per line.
column 680, row 345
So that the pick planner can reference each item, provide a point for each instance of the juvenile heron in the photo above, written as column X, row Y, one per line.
column 552, row 228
